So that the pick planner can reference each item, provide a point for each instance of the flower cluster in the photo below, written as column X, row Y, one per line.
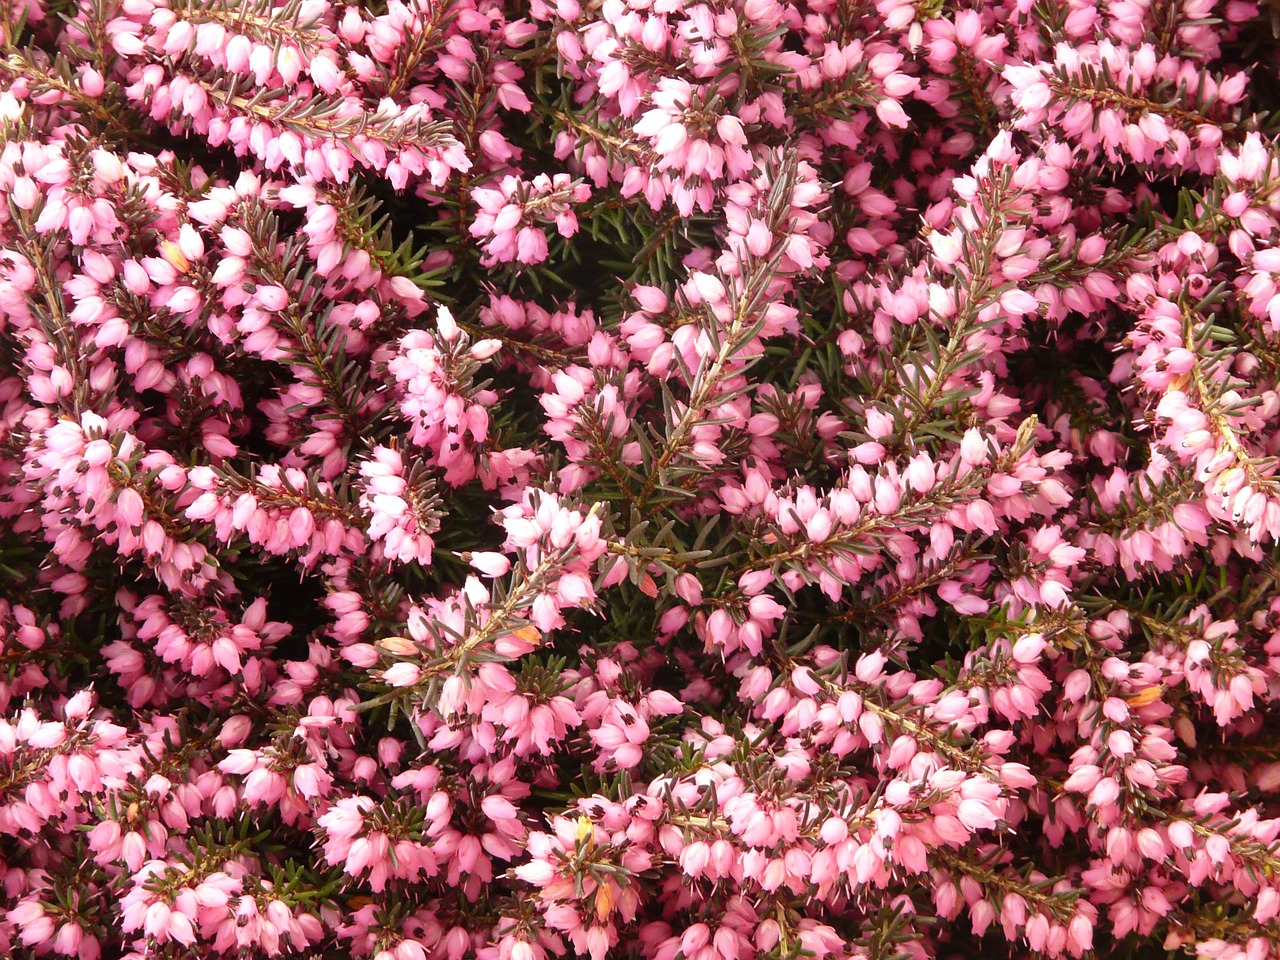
column 655, row 479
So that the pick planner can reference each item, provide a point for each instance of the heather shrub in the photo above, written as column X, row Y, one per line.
column 657, row 479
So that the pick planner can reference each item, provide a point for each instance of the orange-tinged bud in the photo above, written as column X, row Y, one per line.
column 1143, row 697
column 173, row 254
column 400, row 646
column 604, row 902
column 528, row 634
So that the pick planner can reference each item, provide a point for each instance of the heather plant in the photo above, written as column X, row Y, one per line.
column 654, row 479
